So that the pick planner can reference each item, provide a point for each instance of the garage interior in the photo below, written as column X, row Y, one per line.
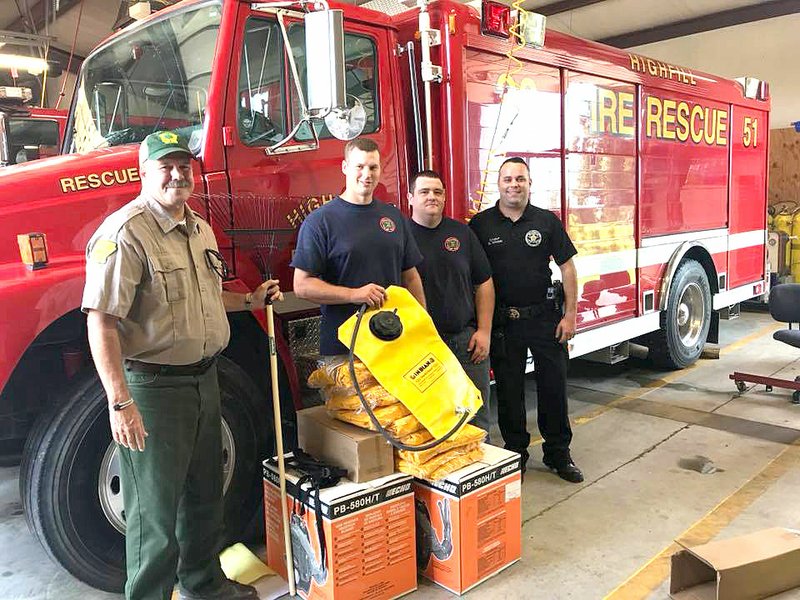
column 672, row 459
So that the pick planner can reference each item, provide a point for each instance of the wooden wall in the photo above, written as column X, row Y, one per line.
column 784, row 166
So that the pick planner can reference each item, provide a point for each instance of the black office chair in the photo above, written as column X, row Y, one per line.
column 784, row 306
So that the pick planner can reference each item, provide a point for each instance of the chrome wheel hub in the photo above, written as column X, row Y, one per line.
column 691, row 315
column 109, row 488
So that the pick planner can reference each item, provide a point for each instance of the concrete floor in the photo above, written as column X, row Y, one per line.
column 637, row 432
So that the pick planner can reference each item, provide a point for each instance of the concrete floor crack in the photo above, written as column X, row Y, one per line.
column 643, row 453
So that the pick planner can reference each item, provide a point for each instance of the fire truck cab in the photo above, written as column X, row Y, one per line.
column 28, row 132
column 657, row 171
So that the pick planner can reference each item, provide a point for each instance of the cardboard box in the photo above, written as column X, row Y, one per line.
column 751, row 566
column 365, row 454
column 469, row 525
column 368, row 535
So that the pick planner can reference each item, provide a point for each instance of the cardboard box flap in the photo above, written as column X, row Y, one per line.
column 689, row 575
column 763, row 545
column 757, row 565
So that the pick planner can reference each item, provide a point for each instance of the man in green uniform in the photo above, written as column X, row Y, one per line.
column 156, row 322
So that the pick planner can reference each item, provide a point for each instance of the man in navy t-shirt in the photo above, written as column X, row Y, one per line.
column 354, row 247
column 457, row 280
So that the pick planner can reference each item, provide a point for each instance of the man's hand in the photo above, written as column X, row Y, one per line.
column 127, row 427
column 479, row 345
column 268, row 289
column 372, row 294
column 565, row 330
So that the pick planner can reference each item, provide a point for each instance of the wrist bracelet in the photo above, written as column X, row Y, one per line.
column 122, row 405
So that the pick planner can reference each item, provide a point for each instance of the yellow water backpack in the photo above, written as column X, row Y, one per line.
column 402, row 349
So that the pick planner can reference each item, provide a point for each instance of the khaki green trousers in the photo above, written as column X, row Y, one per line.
column 173, row 489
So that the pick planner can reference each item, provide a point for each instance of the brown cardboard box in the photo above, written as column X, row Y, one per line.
column 469, row 525
column 365, row 454
column 370, row 552
column 751, row 566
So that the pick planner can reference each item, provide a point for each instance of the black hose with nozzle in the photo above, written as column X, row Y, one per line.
column 386, row 325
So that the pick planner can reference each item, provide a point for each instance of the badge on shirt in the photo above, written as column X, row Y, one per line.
column 387, row 224
column 533, row 238
column 452, row 244
column 101, row 250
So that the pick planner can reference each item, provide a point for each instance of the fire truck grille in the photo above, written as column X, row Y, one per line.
column 303, row 338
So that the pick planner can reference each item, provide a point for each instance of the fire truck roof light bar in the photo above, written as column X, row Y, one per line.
column 317, row 4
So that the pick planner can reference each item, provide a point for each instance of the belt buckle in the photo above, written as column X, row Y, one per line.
column 513, row 314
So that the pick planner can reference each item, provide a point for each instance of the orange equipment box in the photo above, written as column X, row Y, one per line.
column 469, row 525
column 368, row 532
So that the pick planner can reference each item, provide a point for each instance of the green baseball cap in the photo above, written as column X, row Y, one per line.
column 162, row 143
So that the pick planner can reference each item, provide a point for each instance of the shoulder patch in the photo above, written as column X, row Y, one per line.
column 116, row 220
column 101, row 250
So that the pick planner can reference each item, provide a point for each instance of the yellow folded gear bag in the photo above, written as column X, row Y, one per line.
column 417, row 367
column 385, row 415
column 405, row 426
column 345, row 398
column 439, row 469
column 469, row 434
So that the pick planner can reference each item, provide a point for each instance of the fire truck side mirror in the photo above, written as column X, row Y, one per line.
column 325, row 61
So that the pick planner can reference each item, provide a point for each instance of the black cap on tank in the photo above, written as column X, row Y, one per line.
column 385, row 325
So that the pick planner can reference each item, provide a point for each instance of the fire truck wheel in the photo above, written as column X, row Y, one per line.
column 70, row 486
column 685, row 323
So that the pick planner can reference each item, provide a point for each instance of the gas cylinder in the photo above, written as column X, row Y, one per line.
column 782, row 223
column 795, row 256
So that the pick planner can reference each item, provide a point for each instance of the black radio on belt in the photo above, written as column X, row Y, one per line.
column 555, row 294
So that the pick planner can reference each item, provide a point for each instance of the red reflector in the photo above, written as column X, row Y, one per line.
column 495, row 19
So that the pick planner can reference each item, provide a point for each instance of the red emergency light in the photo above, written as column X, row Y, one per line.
column 495, row 19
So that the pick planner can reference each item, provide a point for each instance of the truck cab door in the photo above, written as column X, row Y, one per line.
column 276, row 190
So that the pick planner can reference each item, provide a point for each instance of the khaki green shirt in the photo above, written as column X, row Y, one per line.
column 152, row 272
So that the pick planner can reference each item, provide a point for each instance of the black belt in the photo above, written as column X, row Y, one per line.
column 514, row 313
column 197, row 368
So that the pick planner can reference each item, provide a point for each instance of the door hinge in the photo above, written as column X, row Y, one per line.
column 227, row 135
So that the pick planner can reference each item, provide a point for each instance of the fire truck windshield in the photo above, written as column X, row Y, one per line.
column 155, row 77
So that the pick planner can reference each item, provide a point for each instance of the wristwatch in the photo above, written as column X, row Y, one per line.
column 248, row 300
column 122, row 405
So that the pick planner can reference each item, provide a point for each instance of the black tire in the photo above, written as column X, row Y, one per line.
column 59, row 474
column 685, row 322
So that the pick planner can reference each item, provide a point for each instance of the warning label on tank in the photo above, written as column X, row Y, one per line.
column 425, row 373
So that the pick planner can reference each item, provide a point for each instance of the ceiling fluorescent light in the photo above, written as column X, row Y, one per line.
column 31, row 64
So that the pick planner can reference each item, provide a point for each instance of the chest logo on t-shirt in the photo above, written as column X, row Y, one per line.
column 533, row 238
column 387, row 224
column 452, row 244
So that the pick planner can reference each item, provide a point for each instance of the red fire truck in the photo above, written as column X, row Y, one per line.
column 28, row 132
column 657, row 171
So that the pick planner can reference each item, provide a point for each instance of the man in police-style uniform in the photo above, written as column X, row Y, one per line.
column 457, row 281
column 352, row 248
column 519, row 240
column 156, row 322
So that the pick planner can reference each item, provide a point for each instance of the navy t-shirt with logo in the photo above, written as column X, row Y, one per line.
column 453, row 264
column 519, row 252
column 352, row 245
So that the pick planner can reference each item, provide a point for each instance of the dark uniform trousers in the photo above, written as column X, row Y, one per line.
column 550, row 360
column 173, row 490
column 477, row 372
